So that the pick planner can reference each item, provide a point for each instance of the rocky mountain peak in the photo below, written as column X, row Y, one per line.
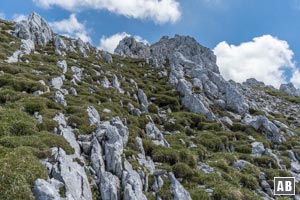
column 130, row 47
column 162, row 123
column 35, row 28
column 290, row 89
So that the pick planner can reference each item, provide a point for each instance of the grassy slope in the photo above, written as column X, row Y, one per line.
column 23, row 141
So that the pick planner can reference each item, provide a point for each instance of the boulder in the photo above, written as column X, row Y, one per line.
column 43, row 190
column 62, row 65
column 109, row 186
column 289, row 89
column 36, row 29
column 94, row 116
column 60, row 98
column 57, row 82
column 257, row 149
column 143, row 100
column 132, row 184
column 178, row 191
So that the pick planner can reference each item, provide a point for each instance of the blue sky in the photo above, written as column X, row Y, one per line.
column 227, row 26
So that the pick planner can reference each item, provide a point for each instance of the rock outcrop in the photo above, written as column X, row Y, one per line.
column 290, row 89
column 193, row 72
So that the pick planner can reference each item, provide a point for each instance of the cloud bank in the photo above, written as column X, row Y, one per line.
column 110, row 43
column 160, row 11
column 264, row 58
column 71, row 27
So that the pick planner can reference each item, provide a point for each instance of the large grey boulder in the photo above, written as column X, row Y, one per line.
column 129, row 47
column 72, row 174
column 62, row 65
column 109, row 186
column 96, row 157
column 254, row 83
column 263, row 124
column 57, row 82
column 122, row 129
column 289, row 89
column 93, row 114
column 60, row 98
column 257, row 149
column 107, row 57
column 132, row 184
column 154, row 133
column 116, row 84
column 113, row 150
column 43, row 190
column 60, row 45
column 77, row 73
column 178, row 191
column 143, row 100
column 36, row 29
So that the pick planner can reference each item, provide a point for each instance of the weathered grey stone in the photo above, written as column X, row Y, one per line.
column 240, row 164
column 77, row 73
column 109, row 186
column 295, row 167
column 206, row 168
column 257, row 149
column 129, row 47
column 105, row 82
column 96, row 157
column 94, row 116
column 107, row 57
column 154, row 133
column 60, row 98
column 122, row 129
column 43, row 190
column 263, row 124
column 73, row 91
column 57, row 82
column 143, row 100
column 35, row 29
column 254, row 83
column 290, row 89
column 113, row 150
column 178, row 191
column 62, row 65
column 116, row 84
column 132, row 184
column 72, row 175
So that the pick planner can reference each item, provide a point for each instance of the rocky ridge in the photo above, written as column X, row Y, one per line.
column 151, row 122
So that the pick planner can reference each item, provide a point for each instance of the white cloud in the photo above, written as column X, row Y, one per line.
column 295, row 79
column 265, row 58
column 71, row 27
column 19, row 17
column 110, row 43
column 2, row 15
column 160, row 11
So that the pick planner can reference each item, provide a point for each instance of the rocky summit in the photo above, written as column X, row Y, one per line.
column 147, row 122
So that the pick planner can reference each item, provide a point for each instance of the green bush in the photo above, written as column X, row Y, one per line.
column 249, row 181
column 14, row 122
column 182, row 170
column 164, row 101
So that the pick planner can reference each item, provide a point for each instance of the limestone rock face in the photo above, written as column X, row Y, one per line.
column 36, row 29
column 129, row 47
column 94, row 116
column 132, row 184
column 178, row 191
column 290, row 89
column 72, row 175
column 193, row 72
column 263, row 124
column 44, row 190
